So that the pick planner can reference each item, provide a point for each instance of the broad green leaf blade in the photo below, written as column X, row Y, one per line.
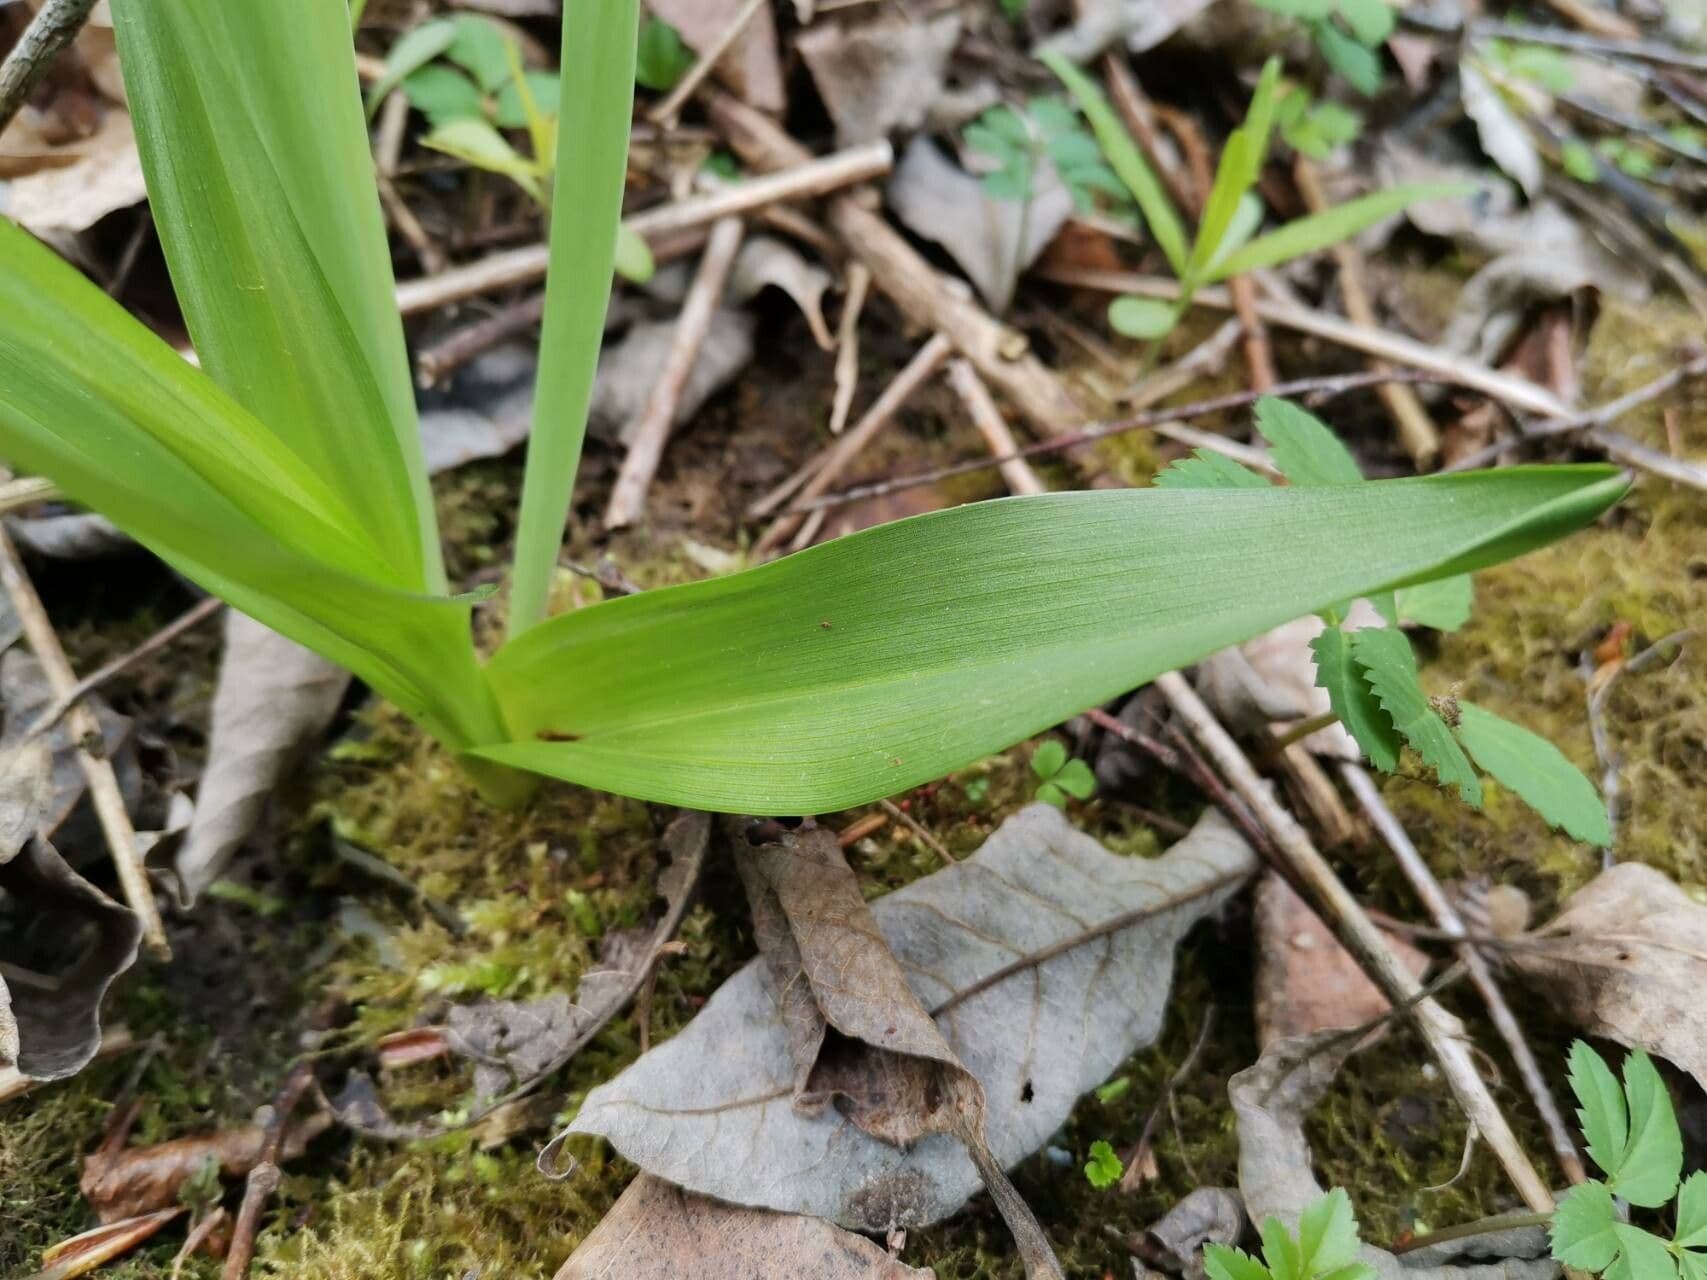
column 119, row 421
column 1323, row 230
column 1143, row 318
column 1126, row 160
column 1443, row 605
column 887, row 658
column 1371, row 21
column 1601, row 1110
column 1305, row 451
column 1353, row 701
column 597, row 103
column 1581, row 1230
column 1327, row 1234
column 481, row 48
column 1360, row 66
column 1223, row 1262
column 1641, row 1256
column 1653, row 1159
column 1537, row 771
column 1390, row 666
column 1206, row 469
column 250, row 128
column 1692, row 1212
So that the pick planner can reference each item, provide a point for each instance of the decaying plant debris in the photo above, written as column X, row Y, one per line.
column 1072, row 986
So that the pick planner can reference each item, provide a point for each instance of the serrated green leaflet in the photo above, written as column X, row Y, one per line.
column 1692, row 1212
column 1305, row 451
column 1652, row 1162
column 1327, row 1234
column 1537, row 771
column 1207, row 470
column 1581, row 1229
column 1353, row 701
column 1391, row 669
column 1280, row 1252
column 1641, row 1256
column 886, row 658
column 1223, row 1262
column 1601, row 1110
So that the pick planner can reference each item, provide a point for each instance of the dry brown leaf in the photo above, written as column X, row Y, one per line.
column 104, row 173
column 83, row 1253
column 659, row 1232
column 1306, row 981
column 1627, row 959
column 24, row 695
column 752, row 69
column 1208, row 1215
column 767, row 261
column 879, row 76
column 131, row 1181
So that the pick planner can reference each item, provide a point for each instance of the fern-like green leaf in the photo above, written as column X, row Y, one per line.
column 1327, row 1234
column 1206, row 469
column 1223, row 1262
column 1653, row 1159
column 1391, row 669
column 1537, row 771
column 1353, row 701
column 1601, row 1110
column 1305, row 451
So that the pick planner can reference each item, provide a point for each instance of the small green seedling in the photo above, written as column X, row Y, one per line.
column 1059, row 777
column 1633, row 1137
column 1347, row 33
column 285, row 474
column 662, row 57
column 1371, row 675
column 1226, row 242
column 1103, row 1169
column 1314, row 128
column 1018, row 142
column 1325, row 1248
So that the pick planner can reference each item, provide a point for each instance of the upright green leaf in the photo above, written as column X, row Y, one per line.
column 1353, row 701
column 889, row 657
column 1223, row 1262
column 1127, row 161
column 1206, row 469
column 413, row 51
column 1236, row 173
column 1391, row 669
column 1281, row 1252
column 1327, row 1234
column 1305, row 451
column 250, row 126
column 1317, row 231
column 1601, row 1110
column 592, row 164
column 1537, row 771
column 1692, row 1212
column 1653, row 1161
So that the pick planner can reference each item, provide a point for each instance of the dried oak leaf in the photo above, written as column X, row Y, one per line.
column 1043, row 960
column 659, row 1232
column 1627, row 959
column 879, row 76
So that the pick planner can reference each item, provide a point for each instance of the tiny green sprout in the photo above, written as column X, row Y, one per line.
column 1324, row 1248
column 662, row 57
column 1103, row 1169
column 1059, row 777
column 977, row 791
column 1226, row 240
column 1115, row 1089
column 1315, row 128
column 1347, row 33
column 1371, row 675
column 1633, row 1137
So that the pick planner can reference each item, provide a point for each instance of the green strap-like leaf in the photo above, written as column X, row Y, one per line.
column 1236, row 173
column 592, row 166
column 1390, row 666
column 1305, row 451
column 1353, row 701
column 1537, row 771
column 1126, row 160
column 250, row 126
column 1323, row 230
column 886, row 658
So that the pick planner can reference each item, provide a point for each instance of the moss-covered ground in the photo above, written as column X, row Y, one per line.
column 318, row 953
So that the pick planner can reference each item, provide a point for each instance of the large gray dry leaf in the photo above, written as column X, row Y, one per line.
column 880, row 76
column 1502, row 133
column 1140, row 24
column 937, row 199
column 273, row 697
column 1271, row 1101
column 752, row 67
column 765, row 261
column 25, row 695
column 659, row 1232
column 1627, row 959
column 1044, row 959
column 627, row 369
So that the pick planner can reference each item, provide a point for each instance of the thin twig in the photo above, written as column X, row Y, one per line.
column 98, row 772
column 191, row 617
column 1361, row 938
column 847, row 345
column 17, row 494
column 264, row 1177
column 651, row 429
column 665, row 113
column 55, row 25
column 1639, row 50
column 1434, row 898
column 1612, row 779
column 438, row 361
column 1150, row 419
column 1135, row 1160
column 981, row 408
column 1259, row 356
column 919, row 829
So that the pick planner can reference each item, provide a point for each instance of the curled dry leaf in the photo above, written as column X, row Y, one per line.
column 132, row 1181
column 1503, row 135
column 1208, row 1215
column 517, row 1044
column 765, row 260
column 659, row 1232
column 273, row 697
column 1271, row 1101
column 627, row 369
column 1044, row 961
column 84, row 1253
column 24, row 695
column 1139, row 24
column 752, row 68
column 1627, row 959
column 104, row 174
column 879, row 76
column 940, row 201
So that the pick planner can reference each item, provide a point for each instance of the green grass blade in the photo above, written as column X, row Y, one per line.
column 1236, row 173
column 887, row 658
column 592, row 161
column 119, row 421
column 250, row 126
column 1126, row 160
column 1322, row 230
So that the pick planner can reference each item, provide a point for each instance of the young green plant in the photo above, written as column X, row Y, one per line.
column 1347, row 33
column 1324, row 1247
column 1225, row 242
column 285, row 475
column 1371, row 675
